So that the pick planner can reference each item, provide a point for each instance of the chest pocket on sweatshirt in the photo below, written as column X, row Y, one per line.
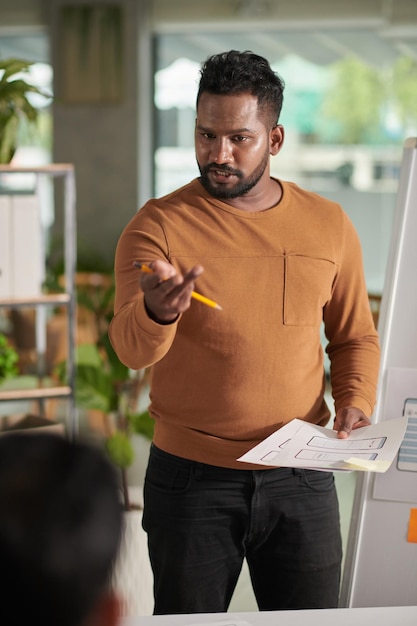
column 307, row 288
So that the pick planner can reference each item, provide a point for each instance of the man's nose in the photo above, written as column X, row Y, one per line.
column 221, row 151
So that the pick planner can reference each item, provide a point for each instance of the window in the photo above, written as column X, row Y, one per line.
column 348, row 107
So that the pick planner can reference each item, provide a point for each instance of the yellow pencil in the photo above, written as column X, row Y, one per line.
column 194, row 294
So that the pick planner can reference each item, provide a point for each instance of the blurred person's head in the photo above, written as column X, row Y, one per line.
column 60, row 529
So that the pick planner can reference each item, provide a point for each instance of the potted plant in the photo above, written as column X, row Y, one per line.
column 14, row 104
column 103, row 383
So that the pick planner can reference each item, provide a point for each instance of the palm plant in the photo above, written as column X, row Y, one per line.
column 14, row 104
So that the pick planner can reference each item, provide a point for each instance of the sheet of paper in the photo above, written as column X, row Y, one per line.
column 300, row 444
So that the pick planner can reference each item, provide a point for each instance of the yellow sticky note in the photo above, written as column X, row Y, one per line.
column 368, row 466
column 412, row 526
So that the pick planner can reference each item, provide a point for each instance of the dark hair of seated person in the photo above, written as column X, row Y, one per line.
column 60, row 530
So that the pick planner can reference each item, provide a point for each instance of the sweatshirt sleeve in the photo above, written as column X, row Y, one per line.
column 353, row 344
column 137, row 340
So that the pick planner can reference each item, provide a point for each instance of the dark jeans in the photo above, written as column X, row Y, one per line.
column 202, row 521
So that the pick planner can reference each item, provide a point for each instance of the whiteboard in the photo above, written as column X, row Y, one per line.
column 380, row 563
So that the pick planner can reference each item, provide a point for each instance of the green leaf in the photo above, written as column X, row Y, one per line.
column 8, row 359
column 7, row 144
column 142, row 424
column 14, row 66
column 119, row 371
column 89, row 354
column 94, row 389
column 120, row 449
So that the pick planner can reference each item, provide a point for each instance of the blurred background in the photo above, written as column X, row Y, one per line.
column 123, row 76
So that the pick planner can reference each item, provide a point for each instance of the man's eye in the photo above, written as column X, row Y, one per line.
column 208, row 136
column 240, row 138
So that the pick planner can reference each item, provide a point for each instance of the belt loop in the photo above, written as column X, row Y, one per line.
column 298, row 472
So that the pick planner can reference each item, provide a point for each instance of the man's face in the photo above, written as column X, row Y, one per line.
column 232, row 145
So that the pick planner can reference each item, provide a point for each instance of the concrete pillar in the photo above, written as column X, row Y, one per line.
column 107, row 136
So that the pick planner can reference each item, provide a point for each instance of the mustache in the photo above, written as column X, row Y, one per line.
column 222, row 168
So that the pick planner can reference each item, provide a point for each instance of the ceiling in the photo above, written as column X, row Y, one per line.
column 322, row 46
column 376, row 44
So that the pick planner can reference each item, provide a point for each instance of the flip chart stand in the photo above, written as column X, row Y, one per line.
column 381, row 555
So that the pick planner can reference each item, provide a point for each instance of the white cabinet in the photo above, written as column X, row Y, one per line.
column 23, row 234
column 21, row 244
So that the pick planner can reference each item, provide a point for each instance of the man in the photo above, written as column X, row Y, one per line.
column 279, row 261
column 60, row 528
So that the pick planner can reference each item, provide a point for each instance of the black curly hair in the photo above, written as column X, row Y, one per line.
column 233, row 72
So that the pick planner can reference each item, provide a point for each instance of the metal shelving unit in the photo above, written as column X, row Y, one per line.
column 41, row 302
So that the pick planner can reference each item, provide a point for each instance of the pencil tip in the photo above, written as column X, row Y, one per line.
column 218, row 307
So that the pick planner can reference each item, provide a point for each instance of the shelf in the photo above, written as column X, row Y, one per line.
column 52, row 169
column 39, row 393
column 52, row 299
column 31, row 296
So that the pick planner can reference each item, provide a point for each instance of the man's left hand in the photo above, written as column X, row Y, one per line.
column 347, row 419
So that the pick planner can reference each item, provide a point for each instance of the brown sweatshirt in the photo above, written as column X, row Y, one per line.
column 224, row 380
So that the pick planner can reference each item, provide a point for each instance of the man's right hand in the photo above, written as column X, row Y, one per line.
column 167, row 292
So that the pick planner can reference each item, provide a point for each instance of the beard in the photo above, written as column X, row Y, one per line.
column 241, row 187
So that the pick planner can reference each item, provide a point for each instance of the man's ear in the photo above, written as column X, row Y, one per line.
column 276, row 139
column 107, row 611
